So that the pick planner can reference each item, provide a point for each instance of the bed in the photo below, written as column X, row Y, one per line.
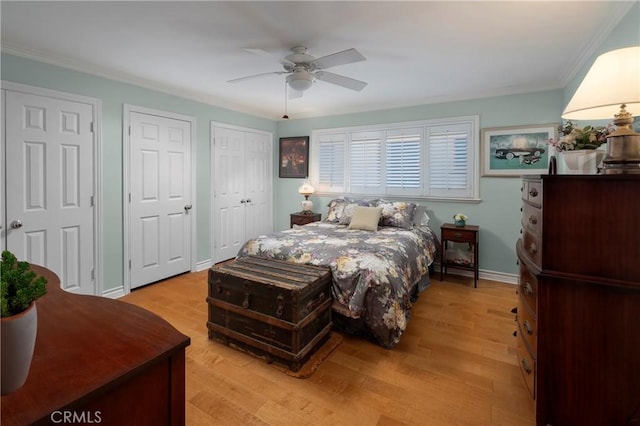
column 378, row 268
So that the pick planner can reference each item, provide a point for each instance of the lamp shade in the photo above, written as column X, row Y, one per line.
column 613, row 80
column 306, row 189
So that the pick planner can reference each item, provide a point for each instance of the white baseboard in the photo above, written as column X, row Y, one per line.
column 205, row 264
column 482, row 274
column 115, row 293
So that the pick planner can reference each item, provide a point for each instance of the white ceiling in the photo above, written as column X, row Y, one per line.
column 417, row 52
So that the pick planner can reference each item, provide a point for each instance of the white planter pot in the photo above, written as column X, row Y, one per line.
column 581, row 161
column 18, row 339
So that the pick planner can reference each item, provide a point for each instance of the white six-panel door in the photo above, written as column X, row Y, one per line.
column 160, row 197
column 49, row 186
column 242, row 188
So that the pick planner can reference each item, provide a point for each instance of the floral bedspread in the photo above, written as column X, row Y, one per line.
column 375, row 274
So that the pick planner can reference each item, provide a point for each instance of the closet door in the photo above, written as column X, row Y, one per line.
column 50, row 182
column 242, row 188
column 228, row 193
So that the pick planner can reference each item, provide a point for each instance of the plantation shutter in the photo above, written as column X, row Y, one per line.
column 331, row 153
column 403, row 159
column 449, row 161
column 365, row 161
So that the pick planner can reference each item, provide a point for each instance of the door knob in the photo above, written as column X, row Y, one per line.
column 16, row 224
column 187, row 207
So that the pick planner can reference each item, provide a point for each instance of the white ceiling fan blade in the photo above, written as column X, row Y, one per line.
column 251, row 77
column 339, row 58
column 340, row 80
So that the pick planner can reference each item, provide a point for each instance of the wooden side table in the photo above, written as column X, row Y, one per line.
column 303, row 218
column 459, row 234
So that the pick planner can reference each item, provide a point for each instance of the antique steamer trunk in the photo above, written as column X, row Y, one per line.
column 278, row 310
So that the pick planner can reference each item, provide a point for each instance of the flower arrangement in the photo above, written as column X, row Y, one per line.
column 460, row 217
column 573, row 137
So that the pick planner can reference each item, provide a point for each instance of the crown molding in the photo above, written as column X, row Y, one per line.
column 590, row 46
column 110, row 74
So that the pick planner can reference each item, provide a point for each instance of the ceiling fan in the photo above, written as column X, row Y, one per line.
column 302, row 69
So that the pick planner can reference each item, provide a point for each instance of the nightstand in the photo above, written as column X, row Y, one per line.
column 459, row 234
column 303, row 219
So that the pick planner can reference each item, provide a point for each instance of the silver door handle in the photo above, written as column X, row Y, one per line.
column 188, row 207
column 243, row 201
column 248, row 200
column 16, row 224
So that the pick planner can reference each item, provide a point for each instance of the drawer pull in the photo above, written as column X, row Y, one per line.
column 528, row 289
column 525, row 366
column 533, row 192
column 533, row 248
column 533, row 220
column 246, row 303
column 280, row 305
column 527, row 326
column 457, row 234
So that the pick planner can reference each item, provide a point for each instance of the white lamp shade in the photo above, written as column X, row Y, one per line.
column 613, row 80
column 306, row 189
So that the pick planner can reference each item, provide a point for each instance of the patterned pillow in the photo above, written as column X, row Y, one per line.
column 336, row 208
column 398, row 214
column 347, row 212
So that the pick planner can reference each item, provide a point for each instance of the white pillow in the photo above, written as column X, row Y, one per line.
column 365, row 218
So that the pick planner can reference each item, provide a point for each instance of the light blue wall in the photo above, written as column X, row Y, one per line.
column 113, row 96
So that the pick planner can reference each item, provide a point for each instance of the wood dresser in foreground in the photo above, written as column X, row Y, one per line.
column 102, row 361
column 579, row 298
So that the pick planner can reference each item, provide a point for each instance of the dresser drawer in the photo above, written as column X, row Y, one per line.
column 533, row 192
column 458, row 235
column 528, row 289
column 527, row 367
column 532, row 219
column 527, row 326
column 532, row 245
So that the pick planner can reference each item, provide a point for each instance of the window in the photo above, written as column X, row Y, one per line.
column 435, row 159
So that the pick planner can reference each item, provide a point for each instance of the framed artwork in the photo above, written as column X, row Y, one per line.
column 516, row 151
column 294, row 157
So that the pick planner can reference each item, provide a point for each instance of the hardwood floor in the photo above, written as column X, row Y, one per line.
column 456, row 365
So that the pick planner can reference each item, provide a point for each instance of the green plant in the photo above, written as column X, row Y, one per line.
column 20, row 286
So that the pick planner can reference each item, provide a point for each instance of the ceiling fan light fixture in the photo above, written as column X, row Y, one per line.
column 300, row 80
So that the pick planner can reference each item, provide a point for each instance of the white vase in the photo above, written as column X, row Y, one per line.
column 18, row 339
column 581, row 161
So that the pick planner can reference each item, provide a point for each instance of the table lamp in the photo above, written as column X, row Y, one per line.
column 306, row 204
column 612, row 86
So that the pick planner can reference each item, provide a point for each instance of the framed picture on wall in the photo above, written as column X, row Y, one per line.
column 294, row 157
column 516, row 151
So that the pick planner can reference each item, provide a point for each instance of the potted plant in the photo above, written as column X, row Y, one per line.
column 20, row 287
column 460, row 219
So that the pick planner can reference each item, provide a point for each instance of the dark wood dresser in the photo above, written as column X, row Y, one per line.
column 579, row 298
column 102, row 361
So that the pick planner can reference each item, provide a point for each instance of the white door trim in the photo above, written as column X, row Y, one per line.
column 126, row 112
column 96, row 105
column 212, row 126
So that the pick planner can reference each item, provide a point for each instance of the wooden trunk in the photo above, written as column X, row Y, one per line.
column 275, row 309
